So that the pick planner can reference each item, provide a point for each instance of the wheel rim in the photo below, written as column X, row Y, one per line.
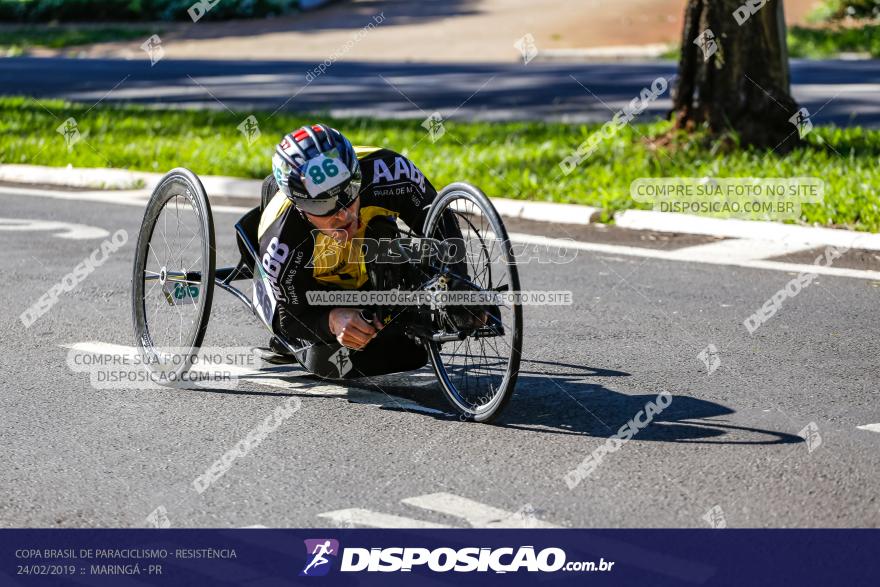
column 476, row 371
column 173, row 298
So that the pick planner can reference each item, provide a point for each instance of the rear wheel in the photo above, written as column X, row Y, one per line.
column 478, row 373
column 173, row 277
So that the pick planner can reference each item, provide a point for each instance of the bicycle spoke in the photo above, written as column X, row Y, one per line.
column 476, row 369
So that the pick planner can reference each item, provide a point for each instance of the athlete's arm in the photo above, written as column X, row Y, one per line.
column 397, row 184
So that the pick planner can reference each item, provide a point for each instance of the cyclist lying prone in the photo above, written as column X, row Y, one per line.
column 328, row 197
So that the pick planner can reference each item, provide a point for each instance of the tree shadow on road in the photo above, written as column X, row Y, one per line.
column 354, row 88
column 341, row 16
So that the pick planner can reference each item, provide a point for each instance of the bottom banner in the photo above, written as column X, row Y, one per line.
column 257, row 557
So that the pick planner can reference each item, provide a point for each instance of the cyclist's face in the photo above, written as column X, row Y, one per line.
column 343, row 225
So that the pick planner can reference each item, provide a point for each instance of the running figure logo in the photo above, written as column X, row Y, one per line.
column 342, row 360
column 318, row 549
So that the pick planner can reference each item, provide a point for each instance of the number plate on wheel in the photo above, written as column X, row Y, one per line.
column 180, row 294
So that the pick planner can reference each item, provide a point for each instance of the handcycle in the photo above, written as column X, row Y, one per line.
column 476, row 364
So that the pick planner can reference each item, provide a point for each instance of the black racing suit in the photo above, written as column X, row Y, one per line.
column 297, row 258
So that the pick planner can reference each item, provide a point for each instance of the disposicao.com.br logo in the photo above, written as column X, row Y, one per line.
column 440, row 560
column 317, row 562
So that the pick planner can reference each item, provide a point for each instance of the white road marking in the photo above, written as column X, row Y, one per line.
column 379, row 399
column 354, row 395
column 476, row 514
column 698, row 258
column 870, row 427
column 696, row 254
column 137, row 198
column 738, row 250
column 746, row 229
column 362, row 517
column 67, row 230
column 822, row 90
column 127, row 197
column 102, row 348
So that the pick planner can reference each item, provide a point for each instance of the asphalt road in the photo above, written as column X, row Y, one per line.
column 728, row 443
column 839, row 92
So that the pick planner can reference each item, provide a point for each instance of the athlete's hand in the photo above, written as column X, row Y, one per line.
column 350, row 328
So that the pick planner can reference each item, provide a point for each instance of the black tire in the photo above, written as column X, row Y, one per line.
column 452, row 200
column 169, row 362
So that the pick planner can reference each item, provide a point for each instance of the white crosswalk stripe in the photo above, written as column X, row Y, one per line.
column 738, row 250
column 870, row 427
column 473, row 513
column 694, row 255
column 476, row 514
column 67, row 230
column 362, row 517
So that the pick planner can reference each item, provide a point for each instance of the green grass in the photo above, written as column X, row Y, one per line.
column 17, row 41
column 837, row 10
column 819, row 43
column 517, row 160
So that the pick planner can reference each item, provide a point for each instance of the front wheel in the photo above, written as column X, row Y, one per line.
column 478, row 373
column 173, row 276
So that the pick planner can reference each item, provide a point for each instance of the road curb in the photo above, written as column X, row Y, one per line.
column 223, row 189
column 547, row 211
column 234, row 191
column 649, row 52
column 75, row 177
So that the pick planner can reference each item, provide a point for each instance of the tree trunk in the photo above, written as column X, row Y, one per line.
column 740, row 84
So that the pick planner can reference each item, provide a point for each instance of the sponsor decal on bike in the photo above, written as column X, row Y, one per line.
column 180, row 294
column 192, row 200
column 146, row 341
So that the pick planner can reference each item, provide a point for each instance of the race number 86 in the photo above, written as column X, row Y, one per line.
column 319, row 173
